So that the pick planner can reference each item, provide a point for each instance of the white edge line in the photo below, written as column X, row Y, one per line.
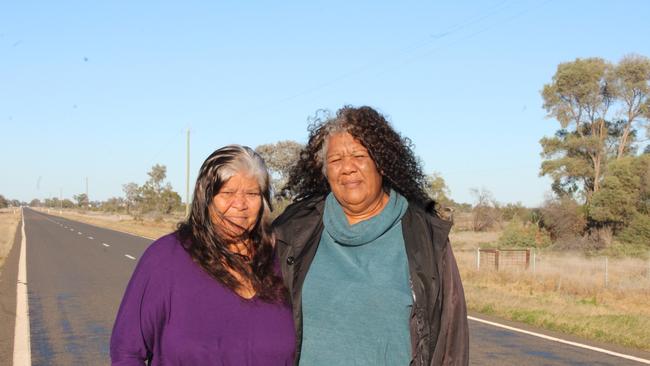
column 575, row 344
column 129, row 256
column 22, row 347
column 106, row 245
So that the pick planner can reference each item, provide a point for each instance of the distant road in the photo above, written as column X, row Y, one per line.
column 77, row 273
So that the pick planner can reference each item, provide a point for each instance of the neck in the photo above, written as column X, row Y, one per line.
column 369, row 211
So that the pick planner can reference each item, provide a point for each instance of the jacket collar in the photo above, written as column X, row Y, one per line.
column 306, row 216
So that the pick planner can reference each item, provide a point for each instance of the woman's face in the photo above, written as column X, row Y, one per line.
column 237, row 204
column 352, row 174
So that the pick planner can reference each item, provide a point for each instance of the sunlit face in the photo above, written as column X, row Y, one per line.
column 352, row 174
column 237, row 204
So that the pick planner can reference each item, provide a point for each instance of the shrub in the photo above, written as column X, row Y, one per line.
column 518, row 234
column 637, row 232
column 563, row 218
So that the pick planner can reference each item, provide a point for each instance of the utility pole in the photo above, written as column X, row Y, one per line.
column 187, row 177
column 60, row 200
column 87, row 197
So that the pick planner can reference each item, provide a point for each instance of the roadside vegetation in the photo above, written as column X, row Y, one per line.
column 9, row 220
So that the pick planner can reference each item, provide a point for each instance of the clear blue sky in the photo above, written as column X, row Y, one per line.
column 105, row 90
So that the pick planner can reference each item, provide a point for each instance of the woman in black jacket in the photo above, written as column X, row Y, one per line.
column 365, row 256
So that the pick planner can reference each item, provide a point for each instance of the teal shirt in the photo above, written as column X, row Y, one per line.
column 356, row 299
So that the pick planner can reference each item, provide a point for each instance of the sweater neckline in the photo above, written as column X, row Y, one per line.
column 366, row 231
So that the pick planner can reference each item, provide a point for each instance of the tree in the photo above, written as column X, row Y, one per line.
column 3, row 201
column 279, row 158
column 616, row 203
column 437, row 188
column 82, row 199
column 35, row 203
column 132, row 194
column 485, row 213
column 579, row 96
column 157, row 195
column 632, row 78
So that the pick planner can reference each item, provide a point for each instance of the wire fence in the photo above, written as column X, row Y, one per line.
column 563, row 269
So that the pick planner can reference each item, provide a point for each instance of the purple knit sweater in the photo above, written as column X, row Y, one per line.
column 174, row 313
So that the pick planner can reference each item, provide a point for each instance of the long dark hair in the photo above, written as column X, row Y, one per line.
column 392, row 153
column 207, row 244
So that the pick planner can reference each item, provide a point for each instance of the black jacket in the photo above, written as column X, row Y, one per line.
column 438, row 323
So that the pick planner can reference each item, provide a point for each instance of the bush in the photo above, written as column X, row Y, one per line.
column 512, row 210
column 637, row 232
column 563, row 218
column 518, row 234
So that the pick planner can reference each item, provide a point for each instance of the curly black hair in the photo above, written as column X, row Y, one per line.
column 393, row 154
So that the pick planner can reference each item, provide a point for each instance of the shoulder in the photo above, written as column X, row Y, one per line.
column 416, row 218
column 305, row 208
column 162, row 254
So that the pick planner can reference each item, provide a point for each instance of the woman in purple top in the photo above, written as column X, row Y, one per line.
column 209, row 293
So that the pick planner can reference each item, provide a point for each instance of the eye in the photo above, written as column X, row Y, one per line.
column 227, row 193
column 334, row 160
column 253, row 194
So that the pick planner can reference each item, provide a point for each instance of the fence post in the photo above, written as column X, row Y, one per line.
column 534, row 260
column 478, row 259
column 606, row 272
column 527, row 258
column 496, row 259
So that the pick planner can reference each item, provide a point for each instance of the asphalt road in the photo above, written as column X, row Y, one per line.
column 77, row 273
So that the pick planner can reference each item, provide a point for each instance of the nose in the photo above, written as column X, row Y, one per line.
column 239, row 201
column 348, row 166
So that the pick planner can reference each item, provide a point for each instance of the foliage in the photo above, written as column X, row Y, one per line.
column 82, row 199
column 632, row 82
column 3, row 201
column 616, row 203
column 55, row 202
column 280, row 158
column 563, row 218
column 637, row 232
column 581, row 96
column 516, row 210
column 154, row 195
column 437, row 189
column 520, row 234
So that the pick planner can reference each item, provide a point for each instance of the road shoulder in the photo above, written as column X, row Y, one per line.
column 564, row 336
column 8, row 279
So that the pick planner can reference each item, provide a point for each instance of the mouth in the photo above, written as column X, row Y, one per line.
column 351, row 183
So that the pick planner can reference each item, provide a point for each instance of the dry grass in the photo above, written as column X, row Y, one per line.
column 470, row 240
column 152, row 229
column 9, row 219
column 567, row 293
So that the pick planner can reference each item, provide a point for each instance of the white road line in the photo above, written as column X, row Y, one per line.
column 71, row 229
column 79, row 232
column 129, row 256
column 91, row 238
column 106, row 245
column 22, row 348
column 575, row 344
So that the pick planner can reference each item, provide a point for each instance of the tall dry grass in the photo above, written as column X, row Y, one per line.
column 9, row 219
column 567, row 292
